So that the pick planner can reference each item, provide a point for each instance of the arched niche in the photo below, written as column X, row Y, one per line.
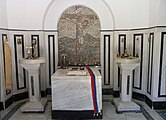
column 57, row 7
column 79, row 36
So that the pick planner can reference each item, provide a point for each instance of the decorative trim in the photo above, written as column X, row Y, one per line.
column 133, row 29
column 8, row 102
column 148, row 102
column 74, row 115
column 13, row 98
column 20, row 96
column 121, row 38
column 128, row 84
column 49, row 56
column 161, row 64
column 36, row 39
column 50, row 30
column 116, row 94
column 28, row 30
column 159, row 105
column 108, row 30
column 49, row 91
column 106, row 37
column 32, row 86
column 108, row 91
column 4, row 35
column 16, row 60
column 119, row 77
column 12, row 111
column 138, row 96
column 3, row 50
column 44, row 93
column 134, row 54
column 150, row 62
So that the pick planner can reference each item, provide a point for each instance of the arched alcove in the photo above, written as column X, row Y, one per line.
column 79, row 36
column 56, row 8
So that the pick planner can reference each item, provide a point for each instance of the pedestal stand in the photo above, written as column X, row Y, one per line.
column 35, row 103
column 124, row 103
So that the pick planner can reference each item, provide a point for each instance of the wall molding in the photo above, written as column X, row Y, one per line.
column 8, row 102
column 44, row 93
column 138, row 96
column 102, row 30
column 161, row 64
column 107, row 39
column 51, row 44
column 148, row 102
column 108, row 91
column 74, row 115
column 121, row 38
column 156, row 105
column 150, row 62
column 116, row 94
column 13, row 98
column 20, row 96
column 36, row 39
column 1, row 106
column 135, row 54
column 21, row 37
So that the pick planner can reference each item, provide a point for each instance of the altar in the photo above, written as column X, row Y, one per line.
column 78, row 94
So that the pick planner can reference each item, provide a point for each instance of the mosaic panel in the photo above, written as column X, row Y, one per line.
column 79, row 36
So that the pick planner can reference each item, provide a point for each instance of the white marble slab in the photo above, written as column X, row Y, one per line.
column 125, row 106
column 74, row 92
column 32, row 106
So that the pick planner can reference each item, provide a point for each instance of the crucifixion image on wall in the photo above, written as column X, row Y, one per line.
column 79, row 36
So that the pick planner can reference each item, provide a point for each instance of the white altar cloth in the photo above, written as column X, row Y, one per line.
column 74, row 92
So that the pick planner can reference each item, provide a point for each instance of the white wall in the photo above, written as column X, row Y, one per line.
column 157, row 16
column 161, row 18
column 139, row 13
column 153, row 12
column 30, row 14
column 113, row 14
column 59, row 6
column 26, row 14
column 3, row 14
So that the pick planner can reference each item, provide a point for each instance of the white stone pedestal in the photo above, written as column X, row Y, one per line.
column 35, row 103
column 124, row 103
column 38, row 106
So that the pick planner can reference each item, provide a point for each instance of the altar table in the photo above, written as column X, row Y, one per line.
column 76, row 95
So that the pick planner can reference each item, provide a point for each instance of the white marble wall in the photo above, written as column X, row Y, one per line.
column 43, row 37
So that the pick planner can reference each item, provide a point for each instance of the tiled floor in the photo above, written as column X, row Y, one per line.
column 162, row 113
column 109, row 113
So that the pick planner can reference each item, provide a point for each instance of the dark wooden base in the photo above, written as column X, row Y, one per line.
column 75, row 115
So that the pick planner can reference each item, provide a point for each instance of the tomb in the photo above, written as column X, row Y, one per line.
column 79, row 94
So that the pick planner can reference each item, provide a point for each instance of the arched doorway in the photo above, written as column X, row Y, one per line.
column 79, row 36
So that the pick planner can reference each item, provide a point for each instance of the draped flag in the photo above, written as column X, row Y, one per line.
column 94, row 91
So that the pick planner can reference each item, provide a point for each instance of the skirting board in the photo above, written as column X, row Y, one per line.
column 1, row 106
column 75, row 115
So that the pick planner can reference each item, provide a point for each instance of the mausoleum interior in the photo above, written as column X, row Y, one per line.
column 82, row 59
